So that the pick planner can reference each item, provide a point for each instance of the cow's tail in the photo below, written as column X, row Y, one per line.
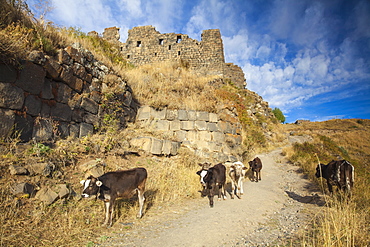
column 350, row 175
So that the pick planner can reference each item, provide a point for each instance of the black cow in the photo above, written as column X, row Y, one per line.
column 118, row 184
column 212, row 177
column 339, row 173
column 256, row 167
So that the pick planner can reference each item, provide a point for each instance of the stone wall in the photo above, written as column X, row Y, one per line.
column 49, row 97
column 146, row 45
column 210, row 135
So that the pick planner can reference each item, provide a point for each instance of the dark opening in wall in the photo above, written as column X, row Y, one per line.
column 121, row 48
column 138, row 44
column 155, row 54
column 128, row 56
column 179, row 53
column 161, row 41
column 169, row 47
column 178, row 40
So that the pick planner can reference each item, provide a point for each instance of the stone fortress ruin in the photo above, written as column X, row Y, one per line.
column 145, row 45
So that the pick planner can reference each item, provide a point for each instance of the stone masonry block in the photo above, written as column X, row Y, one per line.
column 171, row 114
column 166, row 148
column 183, row 115
column 142, row 143
column 156, row 146
column 225, row 127
column 215, row 146
column 202, row 116
column 162, row 125
column 143, row 113
column 180, row 135
column 187, row 125
column 90, row 105
column 175, row 125
column 159, row 114
column 213, row 117
column 7, row 119
column 218, row 136
column 192, row 115
column 192, row 135
column 204, row 136
column 213, row 127
column 11, row 97
column 200, row 125
column 86, row 129
column 31, row 78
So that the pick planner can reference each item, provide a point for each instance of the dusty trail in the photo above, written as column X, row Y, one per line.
column 269, row 213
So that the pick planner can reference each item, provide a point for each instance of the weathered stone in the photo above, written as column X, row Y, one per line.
column 213, row 118
column 86, row 129
column 17, row 170
column 61, row 112
column 23, row 188
column 200, row 125
column 53, row 68
column 24, row 125
column 37, row 57
column 204, row 136
column 62, row 191
column 215, row 146
column 142, row 143
column 225, row 127
column 47, row 92
column 74, row 54
column 31, row 78
column 74, row 130
column 183, row 115
column 96, row 96
column 213, row 127
column 43, row 130
column 44, row 169
column 7, row 120
column 63, row 130
column 187, row 125
column 67, row 76
column 79, row 70
column 45, row 110
column 91, row 118
column 144, row 113
column 90, row 105
column 192, row 115
column 202, row 116
column 162, row 125
column 156, row 146
column 171, row 115
column 64, row 93
column 180, row 135
column 161, row 114
column 11, row 97
column 92, row 167
column 192, row 135
column 166, row 148
column 46, row 195
column 8, row 73
column 175, row 147
column 218, row 137
column 175, row 125
column 32, row 105
column 77, row 115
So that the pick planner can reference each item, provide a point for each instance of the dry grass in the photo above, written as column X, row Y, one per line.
column 168, row 84
column 343, row 222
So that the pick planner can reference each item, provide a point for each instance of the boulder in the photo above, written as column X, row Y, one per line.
column 17, row 170
column 11, row 97
column 46, row 195
column 23, row 188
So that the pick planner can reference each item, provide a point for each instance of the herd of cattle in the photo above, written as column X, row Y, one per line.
column 123, row 184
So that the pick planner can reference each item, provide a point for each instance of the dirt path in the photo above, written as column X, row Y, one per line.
column 269, row 213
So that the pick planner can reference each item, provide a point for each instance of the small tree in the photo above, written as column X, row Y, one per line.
column 279, row 115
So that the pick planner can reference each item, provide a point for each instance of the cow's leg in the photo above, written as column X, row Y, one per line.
column 211, row 194
column 241, row 187
column 232, row 189
column 330, row 187
column 141, row 197
column 107, row 208
column 259, row 175
column 224, row 191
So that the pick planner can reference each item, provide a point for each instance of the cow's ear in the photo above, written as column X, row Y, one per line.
column 200, row 164
column 82, row 182
column 245, row 168
column 99, row 183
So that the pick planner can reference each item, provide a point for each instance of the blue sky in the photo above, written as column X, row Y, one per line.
column 309, row 58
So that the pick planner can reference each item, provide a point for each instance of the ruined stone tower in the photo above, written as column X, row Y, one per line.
column 146, row 45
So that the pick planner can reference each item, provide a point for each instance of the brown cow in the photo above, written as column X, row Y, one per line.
column 237, row 174
column 256, row 167
column 339, row 173
column 112, row 185
column 212, row 177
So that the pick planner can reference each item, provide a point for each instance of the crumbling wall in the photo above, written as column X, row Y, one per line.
column 49, row 97
column 146, row 45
